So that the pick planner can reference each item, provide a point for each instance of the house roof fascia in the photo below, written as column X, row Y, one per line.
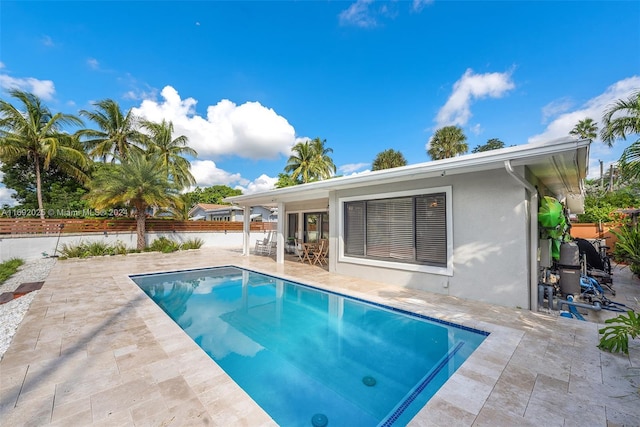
column 521, row 155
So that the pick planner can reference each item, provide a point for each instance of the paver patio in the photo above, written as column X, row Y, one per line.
column 94, row 350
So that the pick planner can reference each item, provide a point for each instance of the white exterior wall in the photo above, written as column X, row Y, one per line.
column 490, row 248
column 34, row 247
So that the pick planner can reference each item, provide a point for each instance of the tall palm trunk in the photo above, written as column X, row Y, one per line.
column 141, row 227
column 39, row 187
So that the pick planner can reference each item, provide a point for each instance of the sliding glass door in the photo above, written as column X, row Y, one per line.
column 316, row 226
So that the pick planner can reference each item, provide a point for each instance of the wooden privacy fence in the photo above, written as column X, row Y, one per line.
column 48, row 226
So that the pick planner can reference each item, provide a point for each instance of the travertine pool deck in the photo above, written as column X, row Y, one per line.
column 94, row 350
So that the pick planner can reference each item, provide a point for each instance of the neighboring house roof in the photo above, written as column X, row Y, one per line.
column 560, row 165
column 212, row 208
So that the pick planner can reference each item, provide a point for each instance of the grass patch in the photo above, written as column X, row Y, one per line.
column 8, row 268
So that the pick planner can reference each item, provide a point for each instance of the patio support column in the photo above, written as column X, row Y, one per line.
column 246, row 230
column 280, row 234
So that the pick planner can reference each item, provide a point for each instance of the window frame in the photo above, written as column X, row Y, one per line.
column 399, row 265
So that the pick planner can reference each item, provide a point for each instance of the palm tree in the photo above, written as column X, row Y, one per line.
column 118, row 134
column 388, row 159
column 620, row 120
column 322, row 163
column 625, row 122
column 585, row 129
column 447, row 142
column 492, row 144
column 139, row 182
column 171, row 152
column 36, row 134
column 310, row 161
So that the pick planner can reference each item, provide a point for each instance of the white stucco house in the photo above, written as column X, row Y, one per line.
column 213, row 212
column 465, row 226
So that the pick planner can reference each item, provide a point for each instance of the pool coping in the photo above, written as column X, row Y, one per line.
column 475, row 373
column 391, row 417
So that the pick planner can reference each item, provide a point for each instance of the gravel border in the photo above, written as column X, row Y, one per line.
column 12, row 313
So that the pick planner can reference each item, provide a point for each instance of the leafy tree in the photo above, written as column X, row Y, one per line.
column 447, row 142
column 118, row 134
column 171, row 152
column 286, row 180
column 214, row 194
column 600, row 205
column 585, row 129
column 59, row 191
column 620, row 120
column 138, row 182
column 388, row 159
column 492, row 144
column 310, row 161
column 36, row 134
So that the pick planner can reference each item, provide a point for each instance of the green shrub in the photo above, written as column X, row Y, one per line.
column 164, row 245
column 84, row 250
column 98, row 249
column 628, row 246
column 9, row 267
column 195, row 243
column 119, row 248
column 615, row 338
column 73, row 251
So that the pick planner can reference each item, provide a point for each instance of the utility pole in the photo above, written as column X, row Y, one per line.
column 611, row 178
column 601, row 174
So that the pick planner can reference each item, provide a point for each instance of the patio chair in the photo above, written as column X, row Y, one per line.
column 263, row 247
column 320, row 255
column 307, row 254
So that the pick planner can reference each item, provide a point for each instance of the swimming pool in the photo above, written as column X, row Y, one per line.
column 308, row 356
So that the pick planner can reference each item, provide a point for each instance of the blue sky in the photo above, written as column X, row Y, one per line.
column 246, row 80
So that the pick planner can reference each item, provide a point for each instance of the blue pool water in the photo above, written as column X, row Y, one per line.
column 308, row 356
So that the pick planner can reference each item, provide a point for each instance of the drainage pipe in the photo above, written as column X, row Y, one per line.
column 533, row 234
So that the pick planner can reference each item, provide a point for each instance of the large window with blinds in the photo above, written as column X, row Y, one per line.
column 411, row 229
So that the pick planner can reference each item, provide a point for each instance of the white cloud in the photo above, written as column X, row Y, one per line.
column 358, row 14
column 44, row 89
column 457, row 109
column 593, row 108
column 1, row 65
column 352, row 168
column 555, row 108
column 262, row 183
column 93, row 63
column 476, row 129
column 207, row 174
column 418, row 5
column 249, row 130
column 47, row 41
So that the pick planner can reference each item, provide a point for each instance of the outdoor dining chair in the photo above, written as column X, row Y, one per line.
column 320, row 255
